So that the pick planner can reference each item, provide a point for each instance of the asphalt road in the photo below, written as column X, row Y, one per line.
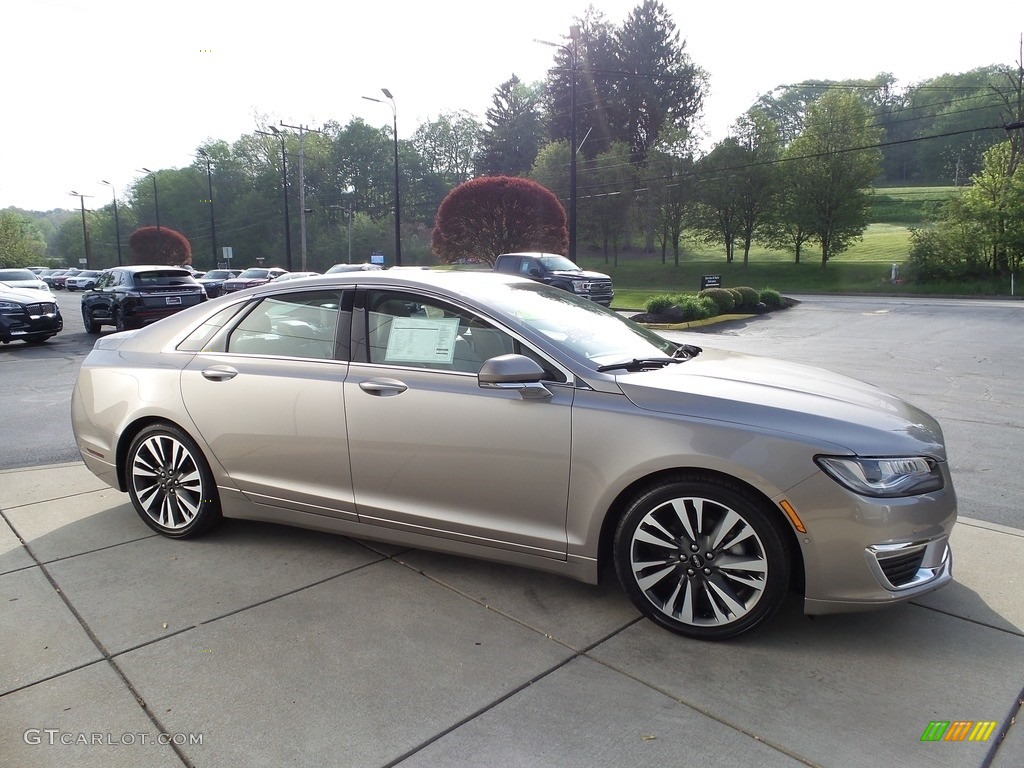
column 960, row 360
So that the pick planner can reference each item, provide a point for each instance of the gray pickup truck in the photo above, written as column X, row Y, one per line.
column 558, row 271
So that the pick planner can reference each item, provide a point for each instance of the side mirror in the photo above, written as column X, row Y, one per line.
column 514, row 372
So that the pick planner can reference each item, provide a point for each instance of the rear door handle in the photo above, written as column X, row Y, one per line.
column 219, row 373
column 383, row 387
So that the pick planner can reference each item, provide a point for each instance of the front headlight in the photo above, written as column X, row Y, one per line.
column 884, row 477
column 10, row 306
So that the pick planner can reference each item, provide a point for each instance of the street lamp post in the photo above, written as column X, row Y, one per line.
column 398, row 208
column 117, row 223
column 573, row 51
column 156, row 207
column 156, row 200
column 85, row 230
column 213, row 225
column 284, row 184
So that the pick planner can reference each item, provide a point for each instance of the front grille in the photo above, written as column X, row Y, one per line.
column 41, row 309
column 902, row 569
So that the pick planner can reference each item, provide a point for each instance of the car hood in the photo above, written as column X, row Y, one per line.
column 579, row 274
column 25, row 295
column 802, row 400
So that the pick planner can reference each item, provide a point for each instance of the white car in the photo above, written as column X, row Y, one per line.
column 83, row 281
column 22, row 278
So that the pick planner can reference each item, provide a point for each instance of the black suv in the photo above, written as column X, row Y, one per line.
column 131, row 297
column 558, row 271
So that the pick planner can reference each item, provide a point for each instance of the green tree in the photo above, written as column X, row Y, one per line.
column 21, row 242
column 551, row 168
column 669, row 175
column 758, row 176
column 513, row 132
column 838, row 160
column 719, row 216
column 605, row 201
column 491, row 215
column 659, row 87
column 447, row 146
column 995, row 201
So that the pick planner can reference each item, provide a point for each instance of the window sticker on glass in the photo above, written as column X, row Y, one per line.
column 419, row 340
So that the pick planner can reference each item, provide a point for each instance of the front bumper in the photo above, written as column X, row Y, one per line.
column 863, row 553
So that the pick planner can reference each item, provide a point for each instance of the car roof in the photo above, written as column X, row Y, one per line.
column 468, row 281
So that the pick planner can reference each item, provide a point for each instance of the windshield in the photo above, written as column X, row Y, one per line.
column 587, row 331
column 559, row 263
column 217, row 274
column 164, row 277
column 17, row 274
column 254, row 273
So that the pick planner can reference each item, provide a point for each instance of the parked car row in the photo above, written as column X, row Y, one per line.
column 124, row 297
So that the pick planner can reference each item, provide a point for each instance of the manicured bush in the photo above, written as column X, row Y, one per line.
column 695, row 307
column 749, row 298
column 723, row 298
column 771, row 298
column 656, row 305
column 159, row 245
column 737, row 297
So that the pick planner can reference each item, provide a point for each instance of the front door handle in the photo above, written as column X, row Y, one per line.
column 219, row 373
column 383, row 387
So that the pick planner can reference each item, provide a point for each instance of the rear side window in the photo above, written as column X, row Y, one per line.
column 291, row 325
column 507, row 265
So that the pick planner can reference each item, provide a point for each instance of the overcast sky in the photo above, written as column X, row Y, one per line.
column 97, row 89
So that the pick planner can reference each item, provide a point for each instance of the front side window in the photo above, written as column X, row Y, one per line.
column 301, row 324
column 406, row 330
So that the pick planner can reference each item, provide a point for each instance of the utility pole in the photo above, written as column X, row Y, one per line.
column 284, row 180
column 303, row 130
column 85, row 231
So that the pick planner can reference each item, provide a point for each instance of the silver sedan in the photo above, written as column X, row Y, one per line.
column 495, row 417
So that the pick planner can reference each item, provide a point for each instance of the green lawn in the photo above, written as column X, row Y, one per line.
column 864, row 268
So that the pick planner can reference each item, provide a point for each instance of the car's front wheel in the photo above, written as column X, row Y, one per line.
column 91, row 325
column 170, row 483
column 702, row 557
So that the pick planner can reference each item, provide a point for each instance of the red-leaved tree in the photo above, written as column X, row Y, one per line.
column 491, row 215
column 150, row 245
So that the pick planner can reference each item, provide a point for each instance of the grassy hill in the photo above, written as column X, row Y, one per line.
column 865, row 268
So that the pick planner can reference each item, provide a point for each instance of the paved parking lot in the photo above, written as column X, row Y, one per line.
column 264, row 646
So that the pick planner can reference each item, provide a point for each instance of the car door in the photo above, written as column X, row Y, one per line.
column 432, row 451
column 267, row 396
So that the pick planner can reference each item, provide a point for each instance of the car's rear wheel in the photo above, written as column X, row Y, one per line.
column 170, row 483
column 91, row 326
column 702, row 557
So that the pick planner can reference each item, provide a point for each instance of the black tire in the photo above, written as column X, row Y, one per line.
column 702, row 557
column 170, row 483
column 117, row 318
column 91, row 325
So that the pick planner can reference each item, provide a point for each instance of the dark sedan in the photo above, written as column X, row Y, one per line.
column 252, row 277
column 29, row 314
column 213, row 281
column 131, row 297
